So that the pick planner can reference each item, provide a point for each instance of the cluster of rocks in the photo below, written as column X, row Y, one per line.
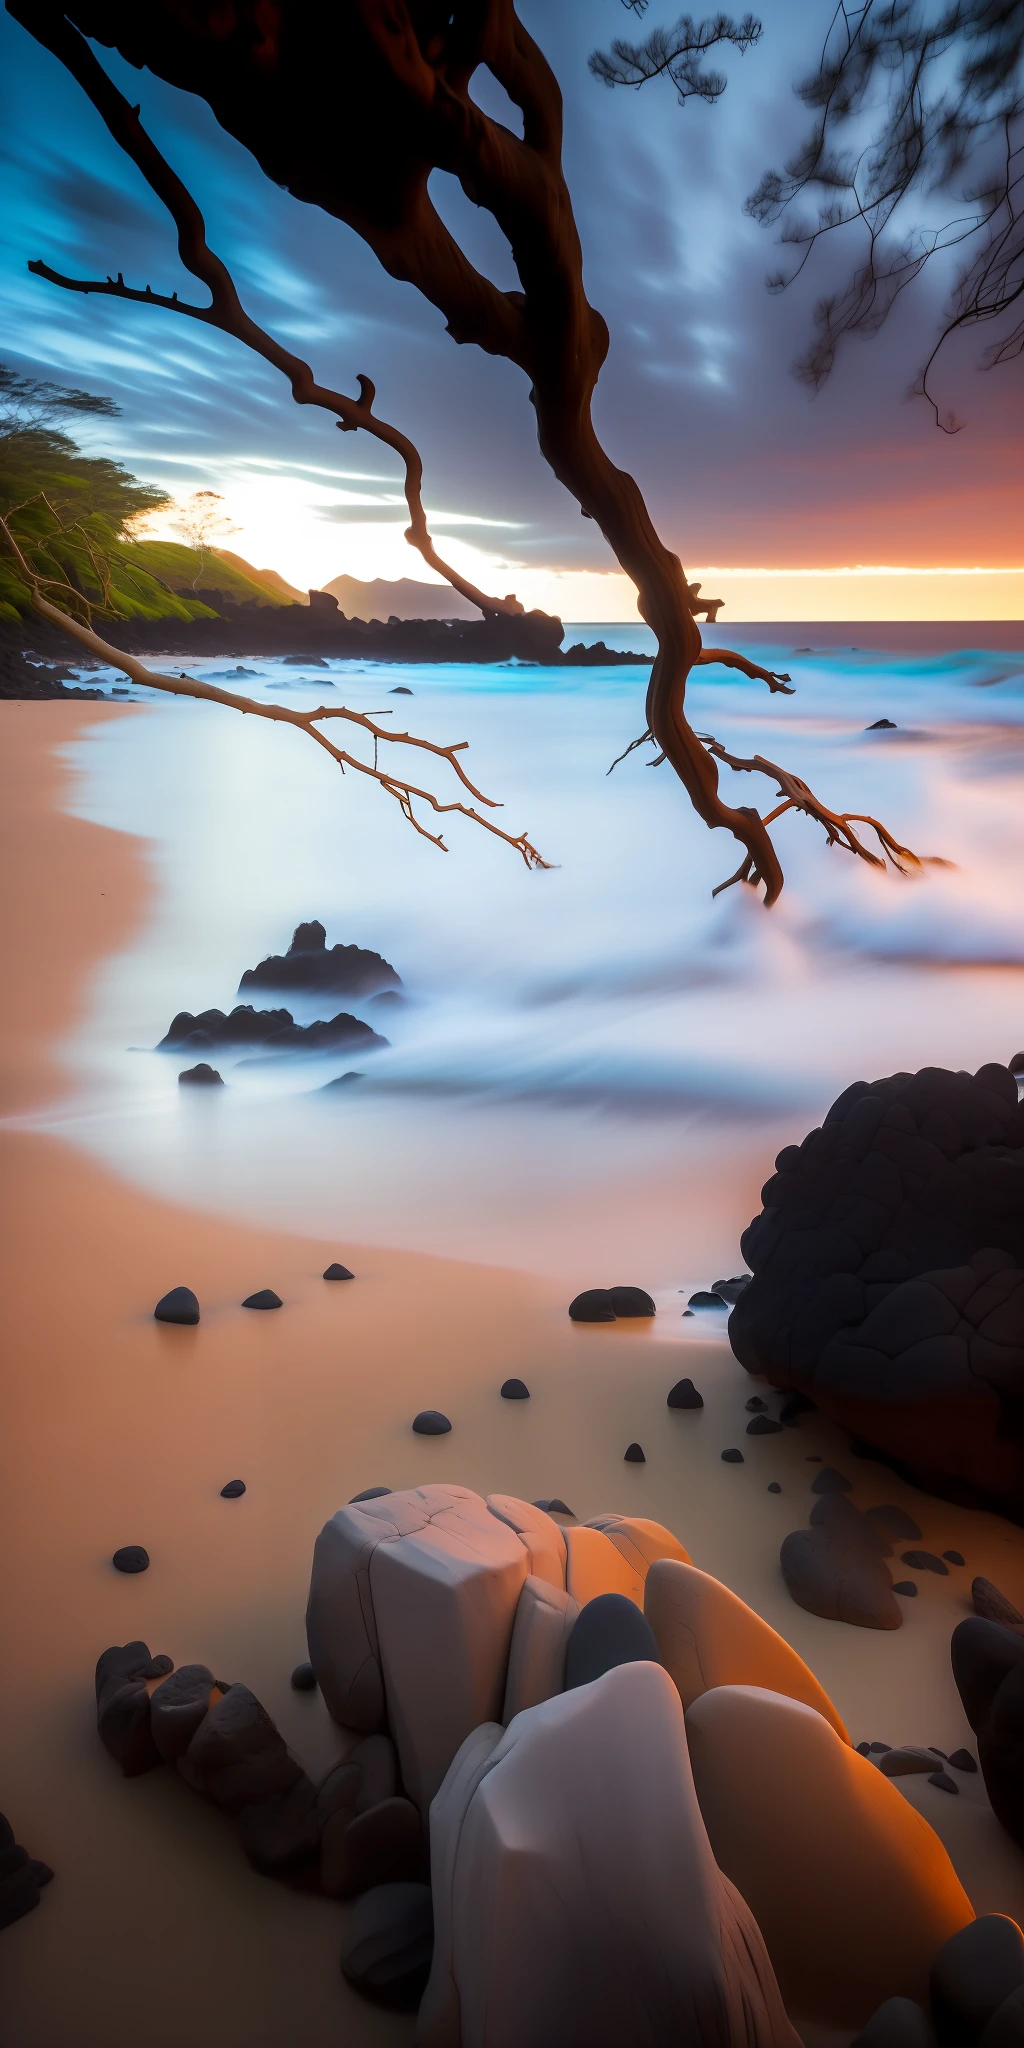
column 838, row 1567
column 556, row 1705
column 22, row 1877
column 311, row 968
column 181, row 1304
column 272, row 1031
column 608, row 1304
column 888, row 1278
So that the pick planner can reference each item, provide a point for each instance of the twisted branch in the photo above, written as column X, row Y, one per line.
column 403, row 792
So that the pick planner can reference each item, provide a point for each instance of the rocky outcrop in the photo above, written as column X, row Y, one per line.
column 888, row 1268
column 311, row 968
column 271, row 1031
column 708, row 1637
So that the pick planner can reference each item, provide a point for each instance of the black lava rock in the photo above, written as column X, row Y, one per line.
column 876, row 1284
column 988, row 1666
column 732, row 1457
column 555, row 1507
column 962, row 1760
column 925, row 1561
column 179, row 1306
column 370, row 1493
column 954, row 1557
column 131, row 1558
column 270, row 1031
column 899, row 2023
column 303, row 1678
column 201, row 1076
column 907, row 1587
column 828, row 1480
column 389, row 1943
column 431, row 1422
column 763, row 1425
column 896, row 1523
column 773, row 1486
column 515, row 1390
column 610, row 1630
column 633, row 1455
column 974, row 1971
column 684, row 1395
column 882, row 725
column 594, row 1305
column 704, row 1299
column 630, row 1301
column 311, row 968
column 265, row 1298
column 233, row 1490
column 337, row 1272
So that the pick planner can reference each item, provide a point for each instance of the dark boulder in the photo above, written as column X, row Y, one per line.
column 834, row 1568
column 730, row 1290
column 131, row 1558
column 906, row 1587
column 828, row 1480
column 684, row 1395
column 630, row 1301
column 732, row 1456
column 22, row 1877
column 888, row 1267
column 179, row 1306
column 755, row 1404
column 899, row 2023
column 389, row 1943
column 988, row 1666
column 269, row 1031
column 975, row 1971
column 594, row 1305
column 122, row 1706
column 178, row 1707
column 337, row 1272
column 954, row 1557
column 704, row 1299
column 943, row 1782
column 202, row 1076
column 763, row 1425
column 882, row 725
column 310, row 967
column 962, row 1760
column 514, row 1390
column 555, row 1507
column 895, row 1522
column 610, row 1630
column 265, row 1298
column 773, row 1486
column 431, row 1422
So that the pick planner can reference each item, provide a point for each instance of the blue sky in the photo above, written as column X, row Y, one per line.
column 741, row 468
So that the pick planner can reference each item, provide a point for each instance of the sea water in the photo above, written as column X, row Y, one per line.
column 595, row 1064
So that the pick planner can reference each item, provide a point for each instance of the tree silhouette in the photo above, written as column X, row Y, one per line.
column 351, row 109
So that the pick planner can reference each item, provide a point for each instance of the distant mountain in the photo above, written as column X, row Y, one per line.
column 403, row 599
column 267, row 577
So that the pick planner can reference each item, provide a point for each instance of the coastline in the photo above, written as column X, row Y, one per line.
column 123, row 1431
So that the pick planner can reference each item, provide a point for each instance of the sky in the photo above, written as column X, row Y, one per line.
column 848, row 505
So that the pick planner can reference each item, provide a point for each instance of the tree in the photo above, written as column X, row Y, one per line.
column 199, row 522
column 915, row 102
column 351, row 109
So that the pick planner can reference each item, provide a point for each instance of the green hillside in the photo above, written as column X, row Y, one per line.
column 176, row 566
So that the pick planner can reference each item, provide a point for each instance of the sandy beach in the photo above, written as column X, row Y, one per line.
column 118, row 1430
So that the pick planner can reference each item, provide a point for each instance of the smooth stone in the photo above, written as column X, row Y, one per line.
column 763, row 1425
column 431, row 1422
column 237, row 1757
column 610, row 1631
column 907, row 1587
column 131, row 1558
column 633, row 1455
column 389, row 1942
column 337, row 1272
column 954, row 1557
column 993, row 1605
column 233, row 1490
column 906, row 1762
column 894, row 1523
column 846, row 1525
column 899, row 2023
column 828, row 1575
column 545, row 1618
column 554, row 1507
column 179, row 1306
column 755, row 1404
column 925, row 1561
column 631, row 1301
column 944, row 1782
column 201, row 1076
column 707, row 1636
column 123, row 1707
column 684, row 1395
column 264, row 1298
column 828, row 1480
column 773, row 1486
column 732, row 1457
column 594, row 1305
column 962, row 1760
column 515, row 1390
column 281, row 1836
column 705, row 1299
column 303, row 1678
column 972, row 1974
column 369, row 1493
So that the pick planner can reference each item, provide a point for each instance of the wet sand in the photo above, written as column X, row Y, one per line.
column 119, row 1430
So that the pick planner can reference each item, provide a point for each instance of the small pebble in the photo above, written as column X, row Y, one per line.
column 303, row 1678
column 337, row 1272
column 515, row 1390
column 773, row 1486
column 132, row 1558
column 763, row 1425
column 925, row 1561
column 863, row 1749
column 962, row 1760
column 755, row 1403
column 954, row 1557
column 431, row 1422
column 684, row 1395
column 732, row 1457
column 265, row 1298
column 907, row 1588
column 879, row 1748
column 829, row 1480
column 554, row 1507
column 179, row 1306
column 633, row 1455
column 687, row 1311
column 944, row 1782
column 369, row 1493
column 233, row 1490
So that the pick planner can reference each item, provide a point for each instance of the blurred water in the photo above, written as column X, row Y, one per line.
column 596, row 1064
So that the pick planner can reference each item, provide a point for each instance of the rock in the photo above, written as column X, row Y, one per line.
column 201, row 1076
column 515, row 1390
column 388, row 1943
column 22, row 1877
column 773, row 1486
column 907, row 1587
column 303, row 1678
column 265, row 1298
column 1006, row 2027
column 988, row 1666
column 852, row 1890
column 828, row 1480
column 944, row 1782
column 836, row 1512
column 594, row 1305
column 954, row 1557
column 962, row 1760
column 907, row 1761
column 972, row 1974
column 123, row 1708
column 178, row 1707
column 233, row 1490
column 925, row 1561
column 365, row 1781
column 763, row 1425
column 580, row 1818
column 595, row 1565
column 401, row 690
column 369, row 1493
column 539, row 1534
column 630, row 1301
column 888, row 1280
column 882, row 725
column 730, row 1290
column 271, row 1031
column 554, row 1507
column 431, row 1422
column 704, row 1299
column 412, row 1602
column 732, row 1457
column 237, row 1758
column 610, row 1630
column 684, row 1395
column 311, row 968
column 633, row 1455
column 640, row 1542
column 131, row 1558
column 899, row 2023
column 828, row 1575
column 179, row 1306
column 337, row 1272
column 895, row 1523
column 545, row 1618
column 755, row 1404
column 281, row 1836
column 993, row 1605
column 707, row 1636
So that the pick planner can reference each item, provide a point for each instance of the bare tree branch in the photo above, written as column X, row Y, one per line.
column 676, row 53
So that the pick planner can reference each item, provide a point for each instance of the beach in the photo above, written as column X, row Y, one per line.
column 119, row 1431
